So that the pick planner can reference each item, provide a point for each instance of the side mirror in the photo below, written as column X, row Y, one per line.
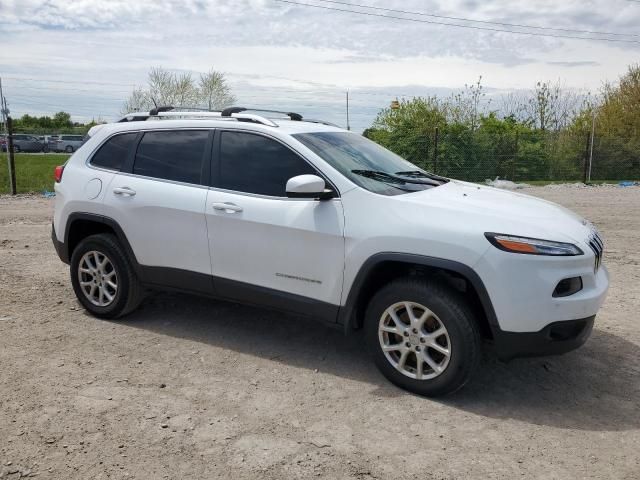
column 307, row 186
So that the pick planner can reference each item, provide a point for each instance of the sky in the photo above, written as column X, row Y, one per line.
column 85, row 56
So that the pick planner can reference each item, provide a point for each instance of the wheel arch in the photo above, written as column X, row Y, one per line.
column 81, row 225
column 381, row 268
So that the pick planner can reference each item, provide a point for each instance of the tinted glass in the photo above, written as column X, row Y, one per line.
column 172, row 155
column 113, row 153
column 256, row 164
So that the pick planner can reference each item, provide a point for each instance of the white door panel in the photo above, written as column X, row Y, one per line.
column 295, row 246
column 164, row 221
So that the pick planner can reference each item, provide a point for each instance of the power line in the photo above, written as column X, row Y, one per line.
column 71, row 82
column 474, row 27
column 489, row 22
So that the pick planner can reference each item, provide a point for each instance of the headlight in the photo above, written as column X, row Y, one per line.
column 532, row 246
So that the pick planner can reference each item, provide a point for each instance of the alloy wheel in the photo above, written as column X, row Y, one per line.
column 414, row 340
column 98, row 278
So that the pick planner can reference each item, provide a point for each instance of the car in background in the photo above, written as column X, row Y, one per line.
column 23, row 143
column 65, row 143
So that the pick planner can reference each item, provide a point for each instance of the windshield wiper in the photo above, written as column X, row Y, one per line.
column 395, row 182
column 382, row 176
column 420, row 173
column 392, row 178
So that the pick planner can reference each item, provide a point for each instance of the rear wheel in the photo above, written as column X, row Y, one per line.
column 103, row 278
column 68, row 149
column 423, row 336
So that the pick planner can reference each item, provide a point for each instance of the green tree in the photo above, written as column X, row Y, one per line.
column 62, row 120
column 409, row 129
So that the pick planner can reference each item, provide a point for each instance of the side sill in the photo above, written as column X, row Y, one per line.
column 230, row 290
column 275, row 299
column 177, row 279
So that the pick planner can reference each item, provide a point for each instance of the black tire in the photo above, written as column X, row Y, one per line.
column 45, row 149
column 129, row 293
column 455, row 315
column 16, row 149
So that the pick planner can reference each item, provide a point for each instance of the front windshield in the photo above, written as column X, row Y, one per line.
column 367, row 164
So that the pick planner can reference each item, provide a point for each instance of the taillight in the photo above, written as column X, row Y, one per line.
column 57, row 173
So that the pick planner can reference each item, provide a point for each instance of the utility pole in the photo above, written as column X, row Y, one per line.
column 6, row 120
column 593, row 132
column 12, row 164
column 435, row 152
column 586, row 159
column 2, row 116
column 348, row 126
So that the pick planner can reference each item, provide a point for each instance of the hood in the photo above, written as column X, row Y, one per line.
column 492, row 210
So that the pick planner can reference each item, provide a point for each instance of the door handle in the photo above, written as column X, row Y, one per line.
column 227, row 207
column 124, row 191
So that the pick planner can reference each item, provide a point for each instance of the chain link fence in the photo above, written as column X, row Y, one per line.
column 534, row 156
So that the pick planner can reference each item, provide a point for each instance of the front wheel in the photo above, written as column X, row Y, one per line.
column 69, row 149
column 103, row 278
column 423, row 336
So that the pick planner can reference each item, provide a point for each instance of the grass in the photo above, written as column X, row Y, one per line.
column 34, row 172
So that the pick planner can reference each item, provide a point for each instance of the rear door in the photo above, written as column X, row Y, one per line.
column 261, row 241
column 159, row 200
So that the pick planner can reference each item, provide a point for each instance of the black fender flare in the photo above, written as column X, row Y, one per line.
column 346, row 315
column 110, row 222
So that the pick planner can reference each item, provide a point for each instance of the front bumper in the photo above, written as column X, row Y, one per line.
column 554, row 339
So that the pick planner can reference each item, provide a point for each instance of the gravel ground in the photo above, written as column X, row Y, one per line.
column 194, row 388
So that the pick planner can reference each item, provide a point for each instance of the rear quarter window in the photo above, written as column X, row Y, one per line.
column 114, row 152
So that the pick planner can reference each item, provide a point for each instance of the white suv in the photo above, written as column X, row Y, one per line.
column 305, row 217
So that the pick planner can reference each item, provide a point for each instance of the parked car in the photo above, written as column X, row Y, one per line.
column 45, row 140
column 65, row 143
column 23, row 143
column 309, row 218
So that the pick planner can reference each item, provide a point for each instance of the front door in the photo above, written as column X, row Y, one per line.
column 262, row 243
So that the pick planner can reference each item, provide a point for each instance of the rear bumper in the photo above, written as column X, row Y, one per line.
column 554, row 339
column 59, row 246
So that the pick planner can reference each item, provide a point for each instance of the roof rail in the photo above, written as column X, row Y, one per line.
column 231, row 110
column 170, row 112
column 236, row 113
column 321, row 122
column 155, row 111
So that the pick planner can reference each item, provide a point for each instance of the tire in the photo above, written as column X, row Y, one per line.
column 45, row 149
column 68, row 149
column 128, row 294
column 448, row 309
column 16, row 149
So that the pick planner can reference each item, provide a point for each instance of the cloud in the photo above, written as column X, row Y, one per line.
column 574, row 64
column 276, row 52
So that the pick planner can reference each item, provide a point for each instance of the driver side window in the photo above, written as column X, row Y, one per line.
column 253, row 163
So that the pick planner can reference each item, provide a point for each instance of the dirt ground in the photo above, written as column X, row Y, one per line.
column 194, row 388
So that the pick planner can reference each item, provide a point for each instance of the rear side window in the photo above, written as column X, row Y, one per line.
column 256, row 164
column 114, row 152
column 174, row 156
